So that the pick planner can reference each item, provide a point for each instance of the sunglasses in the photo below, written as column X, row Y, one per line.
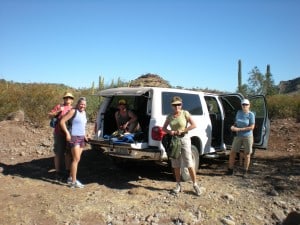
column 175, row 105
column 245, row 104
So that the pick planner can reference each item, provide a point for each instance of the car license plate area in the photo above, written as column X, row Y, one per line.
column 121, row 151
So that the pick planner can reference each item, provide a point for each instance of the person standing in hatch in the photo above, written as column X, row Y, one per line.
column 126, row 120
column 60, row 145
column 178, row 122
column 243, row 126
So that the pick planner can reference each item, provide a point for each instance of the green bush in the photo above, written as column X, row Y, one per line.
column 36, row 100
column 284, row 106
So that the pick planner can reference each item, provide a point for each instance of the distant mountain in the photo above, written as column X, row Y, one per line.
column 290, row 86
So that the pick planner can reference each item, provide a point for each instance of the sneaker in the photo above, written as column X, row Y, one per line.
column 177, row 189
column 197, row 189
column 77, row 184
column 69, row 180
column 230, row 172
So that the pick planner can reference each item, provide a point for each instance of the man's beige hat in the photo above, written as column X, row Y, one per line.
column 68, row 95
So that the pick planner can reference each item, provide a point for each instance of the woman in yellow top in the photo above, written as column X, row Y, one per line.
column 180, row 122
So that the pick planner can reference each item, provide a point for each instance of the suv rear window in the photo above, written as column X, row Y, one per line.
column 191, row 103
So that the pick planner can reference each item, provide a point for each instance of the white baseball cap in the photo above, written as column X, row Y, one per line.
column 245, row 101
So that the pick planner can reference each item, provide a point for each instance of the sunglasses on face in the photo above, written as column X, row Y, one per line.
column 175, row 105
column 245, row 104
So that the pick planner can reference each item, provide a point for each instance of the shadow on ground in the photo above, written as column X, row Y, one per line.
column 94, row 167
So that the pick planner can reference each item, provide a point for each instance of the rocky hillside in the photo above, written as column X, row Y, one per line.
column 150, row 80
column 290, row 86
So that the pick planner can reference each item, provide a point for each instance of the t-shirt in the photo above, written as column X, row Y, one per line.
column 244, row 120
column 178, row 123
column 79, row 124
column 67, row 108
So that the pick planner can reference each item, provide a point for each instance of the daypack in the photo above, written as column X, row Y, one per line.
column 54, row 120
column 70, row 121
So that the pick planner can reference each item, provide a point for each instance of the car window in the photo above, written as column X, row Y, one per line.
column 191, row 103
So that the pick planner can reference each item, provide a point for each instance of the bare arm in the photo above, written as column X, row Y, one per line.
column 116, row 119
column 56, row 111
column 63, row 125
column 165, row 128
column 236, row 129
column 132, row 116
column 191, row 126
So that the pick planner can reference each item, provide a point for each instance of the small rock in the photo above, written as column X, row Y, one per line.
column 228, row 220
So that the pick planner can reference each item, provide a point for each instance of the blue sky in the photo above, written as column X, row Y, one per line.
column 191, row 43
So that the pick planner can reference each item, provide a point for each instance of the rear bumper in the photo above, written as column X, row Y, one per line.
column 139, row 151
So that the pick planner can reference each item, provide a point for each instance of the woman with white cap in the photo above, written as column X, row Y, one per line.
column 243, row 126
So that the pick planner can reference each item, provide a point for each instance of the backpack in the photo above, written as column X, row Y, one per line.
column 54, row 120
column 70, row 121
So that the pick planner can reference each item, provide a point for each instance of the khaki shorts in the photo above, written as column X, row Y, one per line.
column 185, row 159
column 246, row 142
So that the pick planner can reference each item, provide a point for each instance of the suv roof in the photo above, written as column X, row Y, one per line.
column 135, row 91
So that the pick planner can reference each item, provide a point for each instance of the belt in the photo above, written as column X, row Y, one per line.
column 181, row 135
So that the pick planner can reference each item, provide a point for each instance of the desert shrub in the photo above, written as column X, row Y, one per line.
column 93, row 103
column 284, row 106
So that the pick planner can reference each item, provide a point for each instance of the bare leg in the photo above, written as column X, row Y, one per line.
column 232, row 159
column 192, row 174
column 68, row 160
column 76, row 153
column 241, row 158
column 57, row 163
column 177, row 174
column 247, row 157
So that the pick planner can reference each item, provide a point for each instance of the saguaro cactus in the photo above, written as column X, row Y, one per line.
column 240, row 75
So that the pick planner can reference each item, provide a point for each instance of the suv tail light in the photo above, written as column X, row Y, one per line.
column 157, row 133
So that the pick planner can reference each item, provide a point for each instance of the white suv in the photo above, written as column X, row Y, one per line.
column 212, row 113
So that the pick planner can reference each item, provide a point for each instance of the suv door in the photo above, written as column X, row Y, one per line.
column 261, row 131
column 232, row 103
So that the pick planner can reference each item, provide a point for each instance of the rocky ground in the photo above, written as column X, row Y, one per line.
column 140, row 193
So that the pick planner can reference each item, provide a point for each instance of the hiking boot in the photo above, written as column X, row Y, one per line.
column 230, row 172
column 197, row 189
column 77, row 184
column 177, row 189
